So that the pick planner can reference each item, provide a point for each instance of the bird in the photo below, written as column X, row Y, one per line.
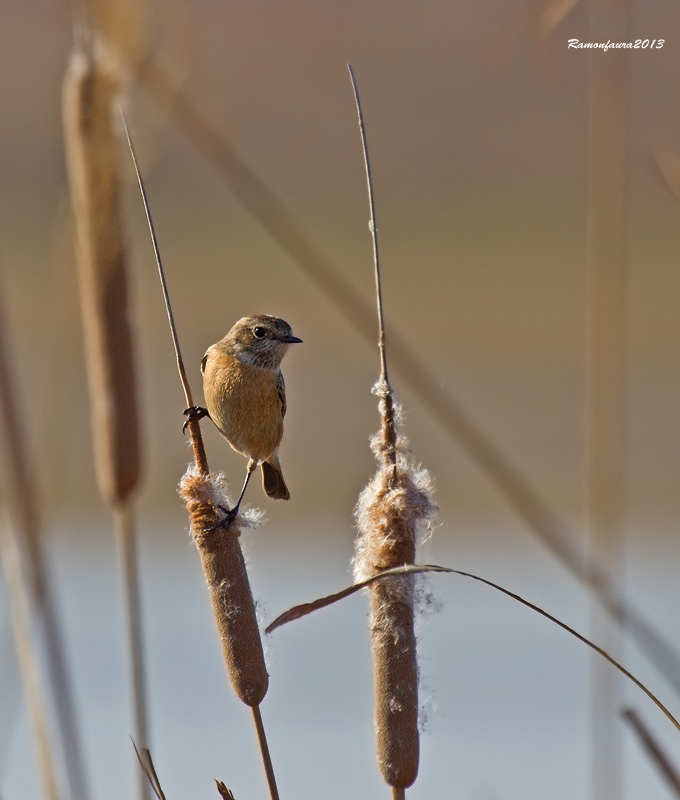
column 245, row 396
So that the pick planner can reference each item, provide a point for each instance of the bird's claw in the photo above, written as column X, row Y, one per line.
column 225, row 522
column 194, row 413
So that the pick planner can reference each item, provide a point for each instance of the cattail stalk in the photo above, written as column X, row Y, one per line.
column 92, row 90
column 219, row 548
column 388, row 514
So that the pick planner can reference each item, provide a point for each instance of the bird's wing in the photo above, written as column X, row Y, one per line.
column 281, row 389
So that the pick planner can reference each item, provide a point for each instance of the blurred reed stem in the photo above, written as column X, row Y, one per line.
column 219, row 547
column 277, row 219
column 606, row 356
column 654, row 751
column 34, row 616
column 123, row 520
column 93, row 86
column 22, row 616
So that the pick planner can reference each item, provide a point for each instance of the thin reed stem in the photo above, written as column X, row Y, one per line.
column 15, row 566
column 194, row 426
column 264, row 749
column 372, row 225
column 125, row 536
column 654, row 751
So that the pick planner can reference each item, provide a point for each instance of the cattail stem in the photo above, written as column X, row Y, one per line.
column 374, row 232
column 125, row 535
column 194, row 426
column 264, row 749
column 398, row 793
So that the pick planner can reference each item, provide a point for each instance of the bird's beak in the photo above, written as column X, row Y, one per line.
column 290, row 340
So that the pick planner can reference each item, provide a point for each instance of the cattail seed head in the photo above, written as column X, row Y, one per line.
column 394, row 506
column 90, row 97
column 225, row 571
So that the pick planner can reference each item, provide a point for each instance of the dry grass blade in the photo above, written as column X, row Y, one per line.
column 146, row 763
column 219, row 548
column 225, row 794
column 521, row 496
column 654, row 750
column 300, row 611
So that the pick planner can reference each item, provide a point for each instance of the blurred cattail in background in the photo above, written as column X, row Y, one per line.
column 106, row 42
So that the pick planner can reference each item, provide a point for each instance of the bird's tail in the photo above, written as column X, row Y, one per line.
column 272, row 479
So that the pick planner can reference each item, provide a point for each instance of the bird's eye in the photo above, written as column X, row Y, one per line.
column 259, row 332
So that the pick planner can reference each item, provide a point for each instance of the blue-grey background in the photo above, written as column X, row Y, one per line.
column 478, row 146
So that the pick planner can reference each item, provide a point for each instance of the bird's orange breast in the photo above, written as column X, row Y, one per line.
column 244, row 403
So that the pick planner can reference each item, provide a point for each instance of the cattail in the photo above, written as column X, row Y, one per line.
column 225, row 572
column 90, row 97
column 389, row 514
column 92, row 91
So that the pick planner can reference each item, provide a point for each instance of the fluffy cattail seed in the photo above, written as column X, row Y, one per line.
column 390, row 511
column 225, row 571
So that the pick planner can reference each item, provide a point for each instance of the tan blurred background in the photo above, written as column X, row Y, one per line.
column 477, row 134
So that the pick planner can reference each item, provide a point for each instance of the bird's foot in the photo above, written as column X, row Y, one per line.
column 225, row 522
column 192, row 413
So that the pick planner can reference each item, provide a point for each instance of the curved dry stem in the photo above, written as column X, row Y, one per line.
column 307, row 608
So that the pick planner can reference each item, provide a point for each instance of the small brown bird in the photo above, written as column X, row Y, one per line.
column 246, row 396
